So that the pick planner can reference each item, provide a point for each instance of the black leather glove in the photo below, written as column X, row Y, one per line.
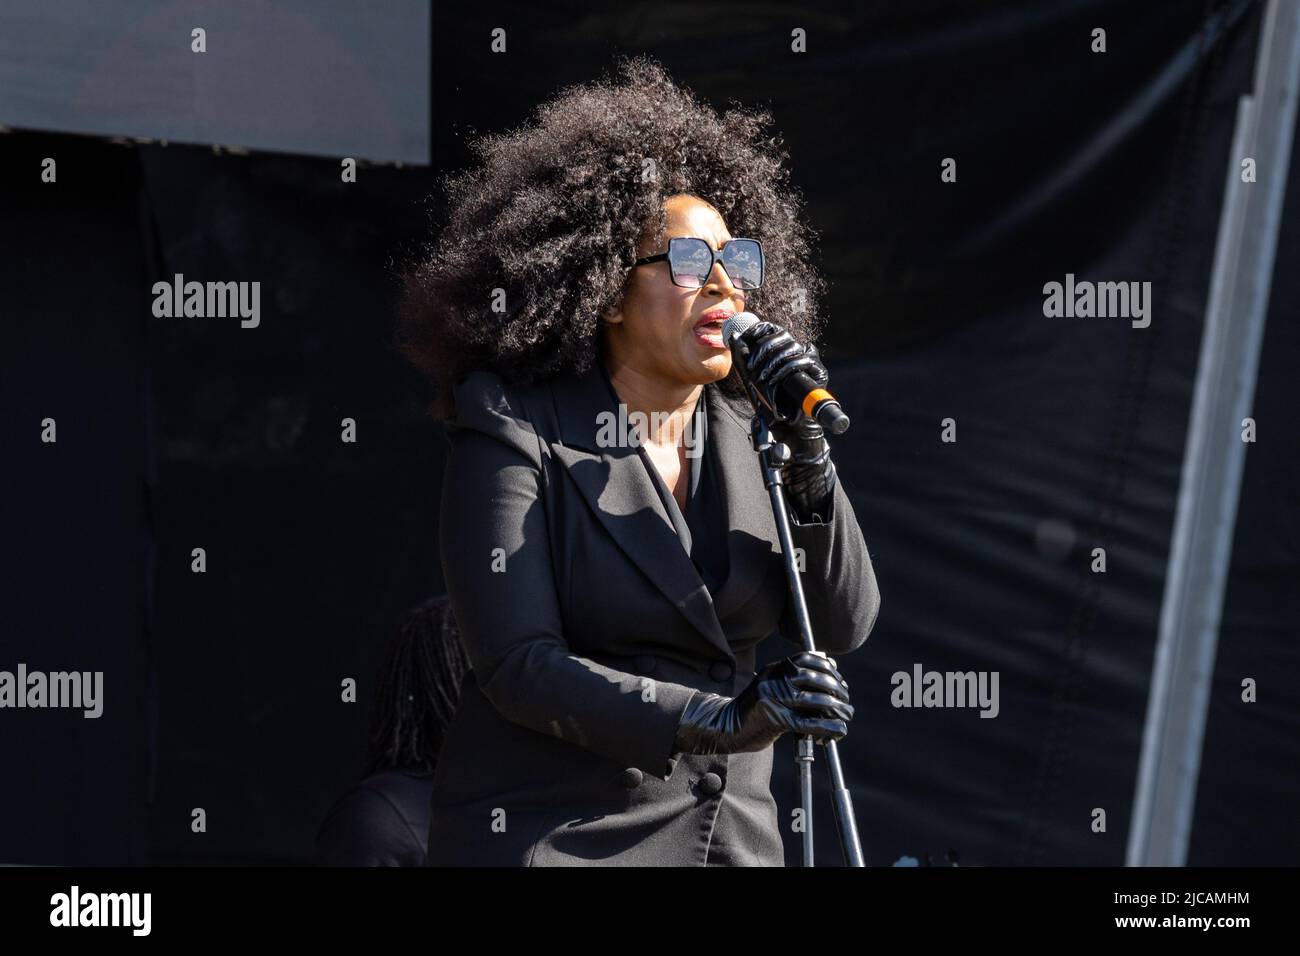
column 809, row 476
column 804, row 694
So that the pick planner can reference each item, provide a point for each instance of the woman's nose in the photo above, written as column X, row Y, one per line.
column 721, row 282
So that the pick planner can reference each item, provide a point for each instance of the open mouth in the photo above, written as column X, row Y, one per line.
column 710, row 333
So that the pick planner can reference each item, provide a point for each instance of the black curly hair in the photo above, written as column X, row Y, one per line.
column 417, row 690
column 554, row 212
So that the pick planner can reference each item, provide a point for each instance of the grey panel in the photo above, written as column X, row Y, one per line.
column 322, row 77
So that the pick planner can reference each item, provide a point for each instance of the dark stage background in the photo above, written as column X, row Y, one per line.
column 222, row 689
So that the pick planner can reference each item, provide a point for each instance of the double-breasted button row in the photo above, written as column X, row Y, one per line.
column 631, row 778
column 721, row 670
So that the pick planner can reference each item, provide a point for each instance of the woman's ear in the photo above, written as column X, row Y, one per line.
column 612, row 316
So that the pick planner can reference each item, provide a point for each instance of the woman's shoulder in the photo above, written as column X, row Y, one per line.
column 480, row 390
column 489, row 405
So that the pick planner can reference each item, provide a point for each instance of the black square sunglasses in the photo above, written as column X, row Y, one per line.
column 690, row 261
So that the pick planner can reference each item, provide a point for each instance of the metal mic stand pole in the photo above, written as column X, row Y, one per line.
column 773, row 455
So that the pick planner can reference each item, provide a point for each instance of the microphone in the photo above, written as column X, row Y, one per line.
column 798, row 390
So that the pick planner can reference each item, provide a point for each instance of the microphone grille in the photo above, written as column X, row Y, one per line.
column 737, row 324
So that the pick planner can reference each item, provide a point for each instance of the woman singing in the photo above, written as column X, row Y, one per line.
column 611, row 583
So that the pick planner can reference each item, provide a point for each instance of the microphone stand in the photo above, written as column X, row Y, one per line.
column 772, row 455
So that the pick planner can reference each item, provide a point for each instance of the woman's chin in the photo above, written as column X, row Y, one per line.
column 701, row 370
column 717, row 366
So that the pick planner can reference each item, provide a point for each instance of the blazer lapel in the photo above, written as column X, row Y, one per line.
column 619, row 491
column 751, row 528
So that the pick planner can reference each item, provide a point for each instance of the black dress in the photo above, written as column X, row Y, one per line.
column 579, row 591
column 702, row 531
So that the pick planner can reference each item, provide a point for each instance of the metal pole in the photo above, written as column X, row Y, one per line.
column 1215, row 454
column 770, row 455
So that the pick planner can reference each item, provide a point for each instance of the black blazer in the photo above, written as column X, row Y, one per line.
column 589, row 629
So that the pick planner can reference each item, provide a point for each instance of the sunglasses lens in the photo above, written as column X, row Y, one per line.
column 691, row 261
column 743, row 260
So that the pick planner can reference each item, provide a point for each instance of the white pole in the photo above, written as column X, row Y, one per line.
column 1215, row 455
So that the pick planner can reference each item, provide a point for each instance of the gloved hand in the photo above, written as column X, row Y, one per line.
column 809, row 476
column 804, row 694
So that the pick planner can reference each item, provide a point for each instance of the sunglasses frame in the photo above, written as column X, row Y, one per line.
column 717, row 260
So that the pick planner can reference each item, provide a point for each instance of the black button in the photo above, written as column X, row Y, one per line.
column 631, row 778
column 645, row 663
column 721, row 670
column 711, row 783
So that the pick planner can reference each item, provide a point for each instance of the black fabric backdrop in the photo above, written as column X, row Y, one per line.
column 222, row 690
